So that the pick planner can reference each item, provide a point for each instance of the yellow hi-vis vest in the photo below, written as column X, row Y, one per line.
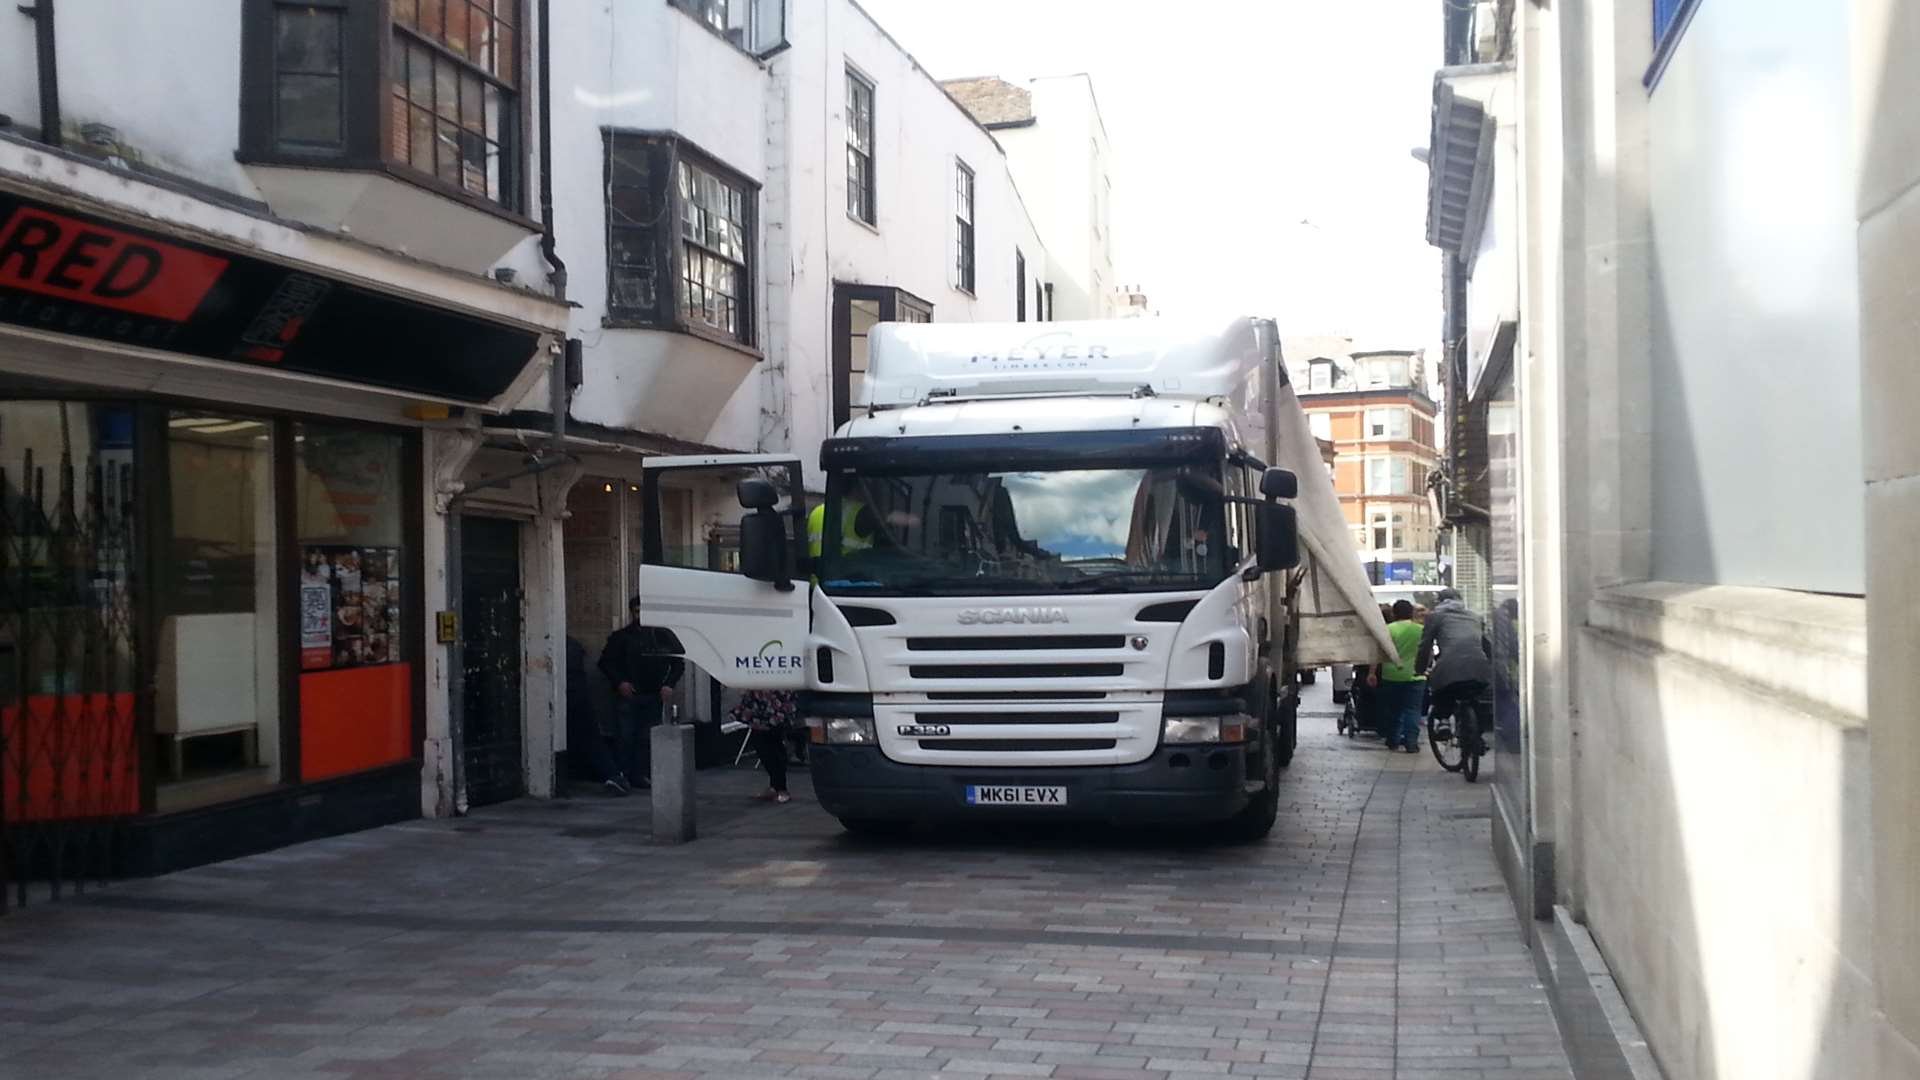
column 849, row 540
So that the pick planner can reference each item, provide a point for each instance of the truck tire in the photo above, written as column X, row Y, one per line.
column 1256, row 819
column 1288, row 735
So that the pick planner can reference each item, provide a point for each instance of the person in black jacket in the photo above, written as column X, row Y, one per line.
column 585, row 746
column 640, row 663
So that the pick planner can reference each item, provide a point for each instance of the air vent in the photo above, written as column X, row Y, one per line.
column 1173, row 611
column 1027, row 745
column 1016, row 671
column 1012, row 644
column 865, row 616
column 996, row 718
column 1017, row 695
column 823, row 664
column 1216, row 661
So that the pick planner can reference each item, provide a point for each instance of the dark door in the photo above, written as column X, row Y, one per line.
column 490, row 600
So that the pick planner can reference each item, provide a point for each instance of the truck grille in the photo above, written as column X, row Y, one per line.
column 1017, row 718
column 1002, row 644
column 997, row 745
column 1016, row 695
column 1015, row 671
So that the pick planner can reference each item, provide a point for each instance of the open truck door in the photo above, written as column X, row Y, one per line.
column 744, row 622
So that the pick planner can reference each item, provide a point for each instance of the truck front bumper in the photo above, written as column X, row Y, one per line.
column 1177, row 785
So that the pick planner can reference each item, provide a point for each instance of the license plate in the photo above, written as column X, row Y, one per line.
column 985, row 795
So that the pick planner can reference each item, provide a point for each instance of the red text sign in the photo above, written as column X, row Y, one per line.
column 55, row 255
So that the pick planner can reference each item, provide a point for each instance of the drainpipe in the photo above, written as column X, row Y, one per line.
column 558, row 269
column 44, row 56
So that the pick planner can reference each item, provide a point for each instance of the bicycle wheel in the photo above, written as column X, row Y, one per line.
column 1446, row 748
column 1472, row 747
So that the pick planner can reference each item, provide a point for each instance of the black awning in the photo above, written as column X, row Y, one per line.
column 73, row 273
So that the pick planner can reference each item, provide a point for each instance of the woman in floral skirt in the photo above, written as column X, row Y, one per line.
column 769, row 715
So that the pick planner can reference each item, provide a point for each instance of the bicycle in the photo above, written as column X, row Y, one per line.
column 1458, row 752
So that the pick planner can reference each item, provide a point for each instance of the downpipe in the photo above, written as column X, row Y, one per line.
column 45, row 59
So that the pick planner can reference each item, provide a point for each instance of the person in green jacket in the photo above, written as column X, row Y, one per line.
column 1402, row 693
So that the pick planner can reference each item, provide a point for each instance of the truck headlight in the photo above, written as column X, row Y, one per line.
column 1204, row 730
column 842, row 730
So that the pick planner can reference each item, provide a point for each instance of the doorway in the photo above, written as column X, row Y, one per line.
column 490, row 597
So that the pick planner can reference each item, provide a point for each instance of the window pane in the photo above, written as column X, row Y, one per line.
column 420, row 136
column 306, row 40
column 217, row 712
column 308, row 109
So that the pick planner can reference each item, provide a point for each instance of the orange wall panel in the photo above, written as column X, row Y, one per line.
column 1346, row 426
column 1346, row 477
column 354, row 719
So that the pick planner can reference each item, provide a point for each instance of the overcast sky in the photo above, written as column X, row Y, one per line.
column 1261, row 148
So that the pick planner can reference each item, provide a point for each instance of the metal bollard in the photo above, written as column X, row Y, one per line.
column 672, row 746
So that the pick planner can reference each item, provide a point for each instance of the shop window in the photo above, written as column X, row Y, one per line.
column 356, row 674
column 217, row 709
column 68, row 641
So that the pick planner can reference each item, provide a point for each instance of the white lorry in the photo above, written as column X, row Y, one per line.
column 1062, row 570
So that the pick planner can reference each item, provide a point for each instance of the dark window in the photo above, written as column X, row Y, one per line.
column 857, row 309
column 1049, row 301
column 1039, row 303
column 1020, row 286
column 307, row 102
column 963, row 226
column 860, row 186
column 445, row 109
column 1666, row 16
column 673, row 214
column 711, row 12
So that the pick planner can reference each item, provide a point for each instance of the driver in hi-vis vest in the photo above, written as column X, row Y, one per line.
column 857, row 528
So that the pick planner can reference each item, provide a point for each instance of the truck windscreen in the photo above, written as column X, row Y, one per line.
column 1152, row 528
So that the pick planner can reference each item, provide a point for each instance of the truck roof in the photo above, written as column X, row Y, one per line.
column 908, row 363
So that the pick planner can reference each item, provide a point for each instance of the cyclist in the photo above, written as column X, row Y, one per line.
column 1465, row 665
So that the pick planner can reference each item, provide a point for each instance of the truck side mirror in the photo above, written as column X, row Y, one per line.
column 765, row 554
column 1279, row 484
column 1279, row 535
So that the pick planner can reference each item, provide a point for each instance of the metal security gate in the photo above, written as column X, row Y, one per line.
column 490, row 584
column 69, row 662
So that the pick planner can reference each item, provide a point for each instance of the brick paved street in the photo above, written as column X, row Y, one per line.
column 1368, row 938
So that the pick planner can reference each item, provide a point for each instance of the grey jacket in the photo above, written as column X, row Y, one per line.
column 1462, row 640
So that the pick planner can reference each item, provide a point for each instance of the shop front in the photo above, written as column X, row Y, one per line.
column 216, row 534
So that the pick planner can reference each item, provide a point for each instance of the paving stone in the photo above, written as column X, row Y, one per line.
column 1369, row 936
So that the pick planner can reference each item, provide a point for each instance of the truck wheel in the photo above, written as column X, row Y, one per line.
column 875, row 829
column 1256, row 820
column 1288, row 734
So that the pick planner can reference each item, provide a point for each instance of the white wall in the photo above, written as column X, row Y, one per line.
column 651, row 68
column 165, row 73
column 1061, row 165
column 1756, row 378
column 918, row 133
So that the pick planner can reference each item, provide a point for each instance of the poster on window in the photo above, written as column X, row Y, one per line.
column 349, row 606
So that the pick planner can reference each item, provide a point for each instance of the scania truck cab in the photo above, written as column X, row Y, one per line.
column 1065, row 571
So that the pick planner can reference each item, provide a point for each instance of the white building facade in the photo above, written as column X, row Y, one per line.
column 1679, row 241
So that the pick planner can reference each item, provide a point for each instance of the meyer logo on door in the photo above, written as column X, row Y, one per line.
column 55, row 255
column 773, row 656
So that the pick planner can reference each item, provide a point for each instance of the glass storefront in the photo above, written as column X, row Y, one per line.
column 258, row 572
column 1504, row 625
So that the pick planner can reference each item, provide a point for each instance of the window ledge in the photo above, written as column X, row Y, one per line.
column 401, row 173
column 1808, row 648
column 863, row 223
column 619, row 322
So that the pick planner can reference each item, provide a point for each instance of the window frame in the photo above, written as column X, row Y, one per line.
column 868, row 211
column 966, row 229
column 1019, row 285
column 1670, row 21
column 665, row 152
column 744, row 35
column 893, row 301
column 366, row 90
